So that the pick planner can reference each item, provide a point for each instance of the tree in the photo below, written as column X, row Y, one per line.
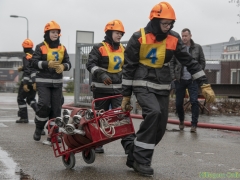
column 237, row 2
column 70, row 87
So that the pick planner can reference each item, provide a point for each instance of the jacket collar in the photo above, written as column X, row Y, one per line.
column 192, row 43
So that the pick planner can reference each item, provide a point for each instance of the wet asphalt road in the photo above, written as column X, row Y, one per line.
column 179, row 156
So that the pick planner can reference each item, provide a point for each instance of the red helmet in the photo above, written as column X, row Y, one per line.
column 51, row 25
column 162, row 10
column 27, row 43
column 114, row 25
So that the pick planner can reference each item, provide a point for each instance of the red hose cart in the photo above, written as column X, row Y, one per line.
column 84, row 129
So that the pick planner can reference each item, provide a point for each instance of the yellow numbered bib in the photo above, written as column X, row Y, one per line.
column 116, row 59
column 152, row 55
column 55, row 53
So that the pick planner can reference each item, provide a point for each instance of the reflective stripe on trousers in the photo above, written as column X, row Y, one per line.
column 42, row 80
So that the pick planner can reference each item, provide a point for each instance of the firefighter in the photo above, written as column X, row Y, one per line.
column 105, row 64
column 146, row 73
column 26, row 90
column 50, row 59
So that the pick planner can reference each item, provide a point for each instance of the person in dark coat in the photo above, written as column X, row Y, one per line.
column 183, row 80
column 26, row 90
column 146, row 73
column 50, row 59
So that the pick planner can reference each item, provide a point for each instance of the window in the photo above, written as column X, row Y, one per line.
column 235, row 76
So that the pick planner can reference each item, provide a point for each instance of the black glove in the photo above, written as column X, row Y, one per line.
column 103, row 77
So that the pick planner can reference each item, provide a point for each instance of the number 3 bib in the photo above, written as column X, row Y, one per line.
column 152, row 55
column 116, row 60
column 55, row 53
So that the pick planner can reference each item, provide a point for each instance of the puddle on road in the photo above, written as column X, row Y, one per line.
column 9, row 164
column 11, row 170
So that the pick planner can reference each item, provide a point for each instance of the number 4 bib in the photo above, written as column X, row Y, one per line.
column 152, row 55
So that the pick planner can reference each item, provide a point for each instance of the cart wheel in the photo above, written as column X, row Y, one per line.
column 70, row 163
column 90, row 157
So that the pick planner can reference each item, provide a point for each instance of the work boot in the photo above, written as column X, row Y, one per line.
column 43, row 132
column 99, row 149
column 193, row 129
column 22, row 120
column 181, row 125
column 143, row 169
column 128, row 148
column 129, row 163
column 37, row 134
column 130, row 158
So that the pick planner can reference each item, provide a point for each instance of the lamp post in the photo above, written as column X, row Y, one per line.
column 15, row 16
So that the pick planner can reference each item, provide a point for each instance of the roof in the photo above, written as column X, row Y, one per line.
column 12, row 54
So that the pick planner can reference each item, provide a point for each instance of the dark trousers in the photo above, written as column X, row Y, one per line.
column 49, row 105
column 25, row 98
column 111, row 103
column 192, row 87
column 155, row 114
column 105, row 104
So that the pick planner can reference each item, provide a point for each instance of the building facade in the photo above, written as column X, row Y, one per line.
column 223, row 62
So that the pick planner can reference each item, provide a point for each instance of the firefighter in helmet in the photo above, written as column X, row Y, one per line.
column 50, row 59
column 105, row 64
column 146, row 73
column 27, row 88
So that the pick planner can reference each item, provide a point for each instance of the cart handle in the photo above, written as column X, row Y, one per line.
column 104, row 98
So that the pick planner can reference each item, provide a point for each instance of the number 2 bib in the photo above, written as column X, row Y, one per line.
column 116, row 60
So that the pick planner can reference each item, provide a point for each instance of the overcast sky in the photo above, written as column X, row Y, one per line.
column 211, row 21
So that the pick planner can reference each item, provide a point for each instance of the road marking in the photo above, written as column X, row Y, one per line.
column 9, row 120
column 116, row 155
column 209, row 153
